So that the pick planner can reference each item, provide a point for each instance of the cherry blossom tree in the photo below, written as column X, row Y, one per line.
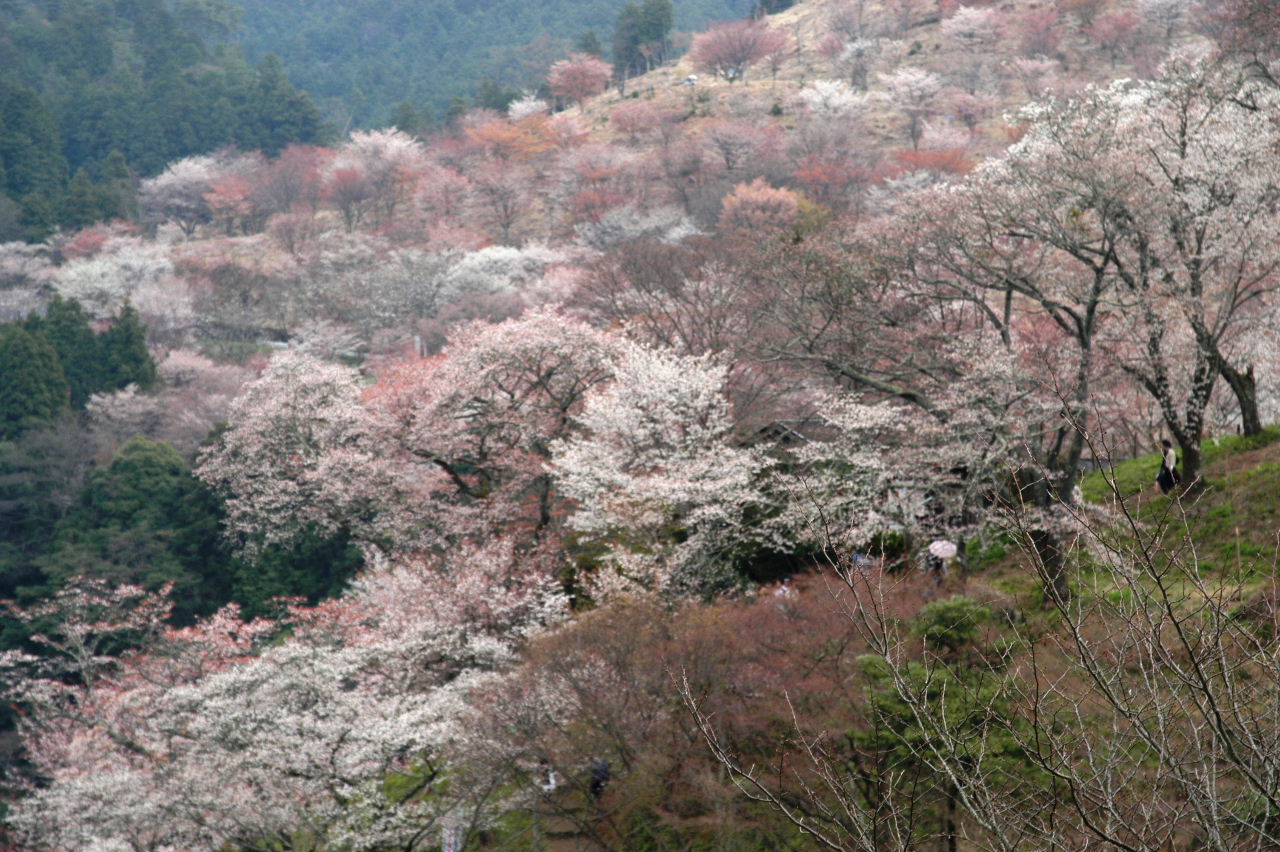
column 375, row 172
column 655, row 456
column 293, row 181
column 1040, row 31
column 367, row 282
column 1037, row 76
column 1084, row 11
column 230, row 203
column 1164, row 15
column 972, row 33
column 1116, row 33
column 851, row 56
column 729, row 49
column 636, row 118
column 893, row 310
column 970, row 110
column 913, row 91
column 741, row 147
column 499, row 193
column 566, row 131
column 903, row 15
column 1178, row 231
column 1247, row 29
column 498, row 270
column 1062, row 222
column 629, row 223
column 478, row 420
column 527, row 106
column 293, row 231
column 579, row 77
column 1206, row 221
column 442, row 193
column 300, row 453
column 833, row 99
column 689, row 296
column 118, row 274
column 178, row 193
column 509, row 140
column 755, row 210
column 351, row 733
column 595, row 179
column 195, row 396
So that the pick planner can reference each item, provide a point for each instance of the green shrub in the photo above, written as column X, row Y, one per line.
column 950, row 624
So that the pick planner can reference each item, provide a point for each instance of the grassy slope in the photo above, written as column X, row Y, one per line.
column 1234, row 523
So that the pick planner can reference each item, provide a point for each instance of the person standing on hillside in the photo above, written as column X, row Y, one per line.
column 1168, row 476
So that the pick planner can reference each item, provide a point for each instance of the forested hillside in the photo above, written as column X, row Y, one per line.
column 95, row 94
column 853, row 432
column 362, row 59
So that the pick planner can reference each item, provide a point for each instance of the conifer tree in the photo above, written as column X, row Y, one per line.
column 124, row 352
column 34, row 389
column 589, row 43
column 30, row 147
column 144, row 519
column 85, row 202
column 65, row 326
column 280, row 114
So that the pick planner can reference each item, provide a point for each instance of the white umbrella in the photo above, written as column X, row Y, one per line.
column 943, row 549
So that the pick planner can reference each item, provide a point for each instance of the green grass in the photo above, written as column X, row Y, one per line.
column 1133, row 475
column 984, row 551
column 1129, row 477
column 1233, row 525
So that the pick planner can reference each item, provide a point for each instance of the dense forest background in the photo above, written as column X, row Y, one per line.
column 359, row 60
column 97, row 94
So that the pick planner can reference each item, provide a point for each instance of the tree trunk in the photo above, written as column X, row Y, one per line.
column 1192, row 462
column 1245, row 387
column 1052, row 565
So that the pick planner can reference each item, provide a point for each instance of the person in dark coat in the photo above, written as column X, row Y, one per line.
column 600, row 776
column 1168, row 477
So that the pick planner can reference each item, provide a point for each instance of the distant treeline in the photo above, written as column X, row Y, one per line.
column 361, row 58
column 95, row 93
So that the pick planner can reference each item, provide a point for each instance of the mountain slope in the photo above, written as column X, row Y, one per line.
column 360, row 58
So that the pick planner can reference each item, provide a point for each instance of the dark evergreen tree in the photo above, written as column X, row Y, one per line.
column 212, row 20
column 626, row 43
column 457, row 107
column 82, row 40
column 41, row 474
column 88, row 78
column 770, row 7
column 278, row 113
column 66, row 327
column 641, row 37
column 406, row 118
column 37, row 216
column 124, row 352
column 315, row 567
column 10, row 220
column 495, row 96
column 121, row 187
column 30, row 147
column 33, row 389
column 144, row 519
column 656, row 19
column 589, row 43
column 86, row 202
